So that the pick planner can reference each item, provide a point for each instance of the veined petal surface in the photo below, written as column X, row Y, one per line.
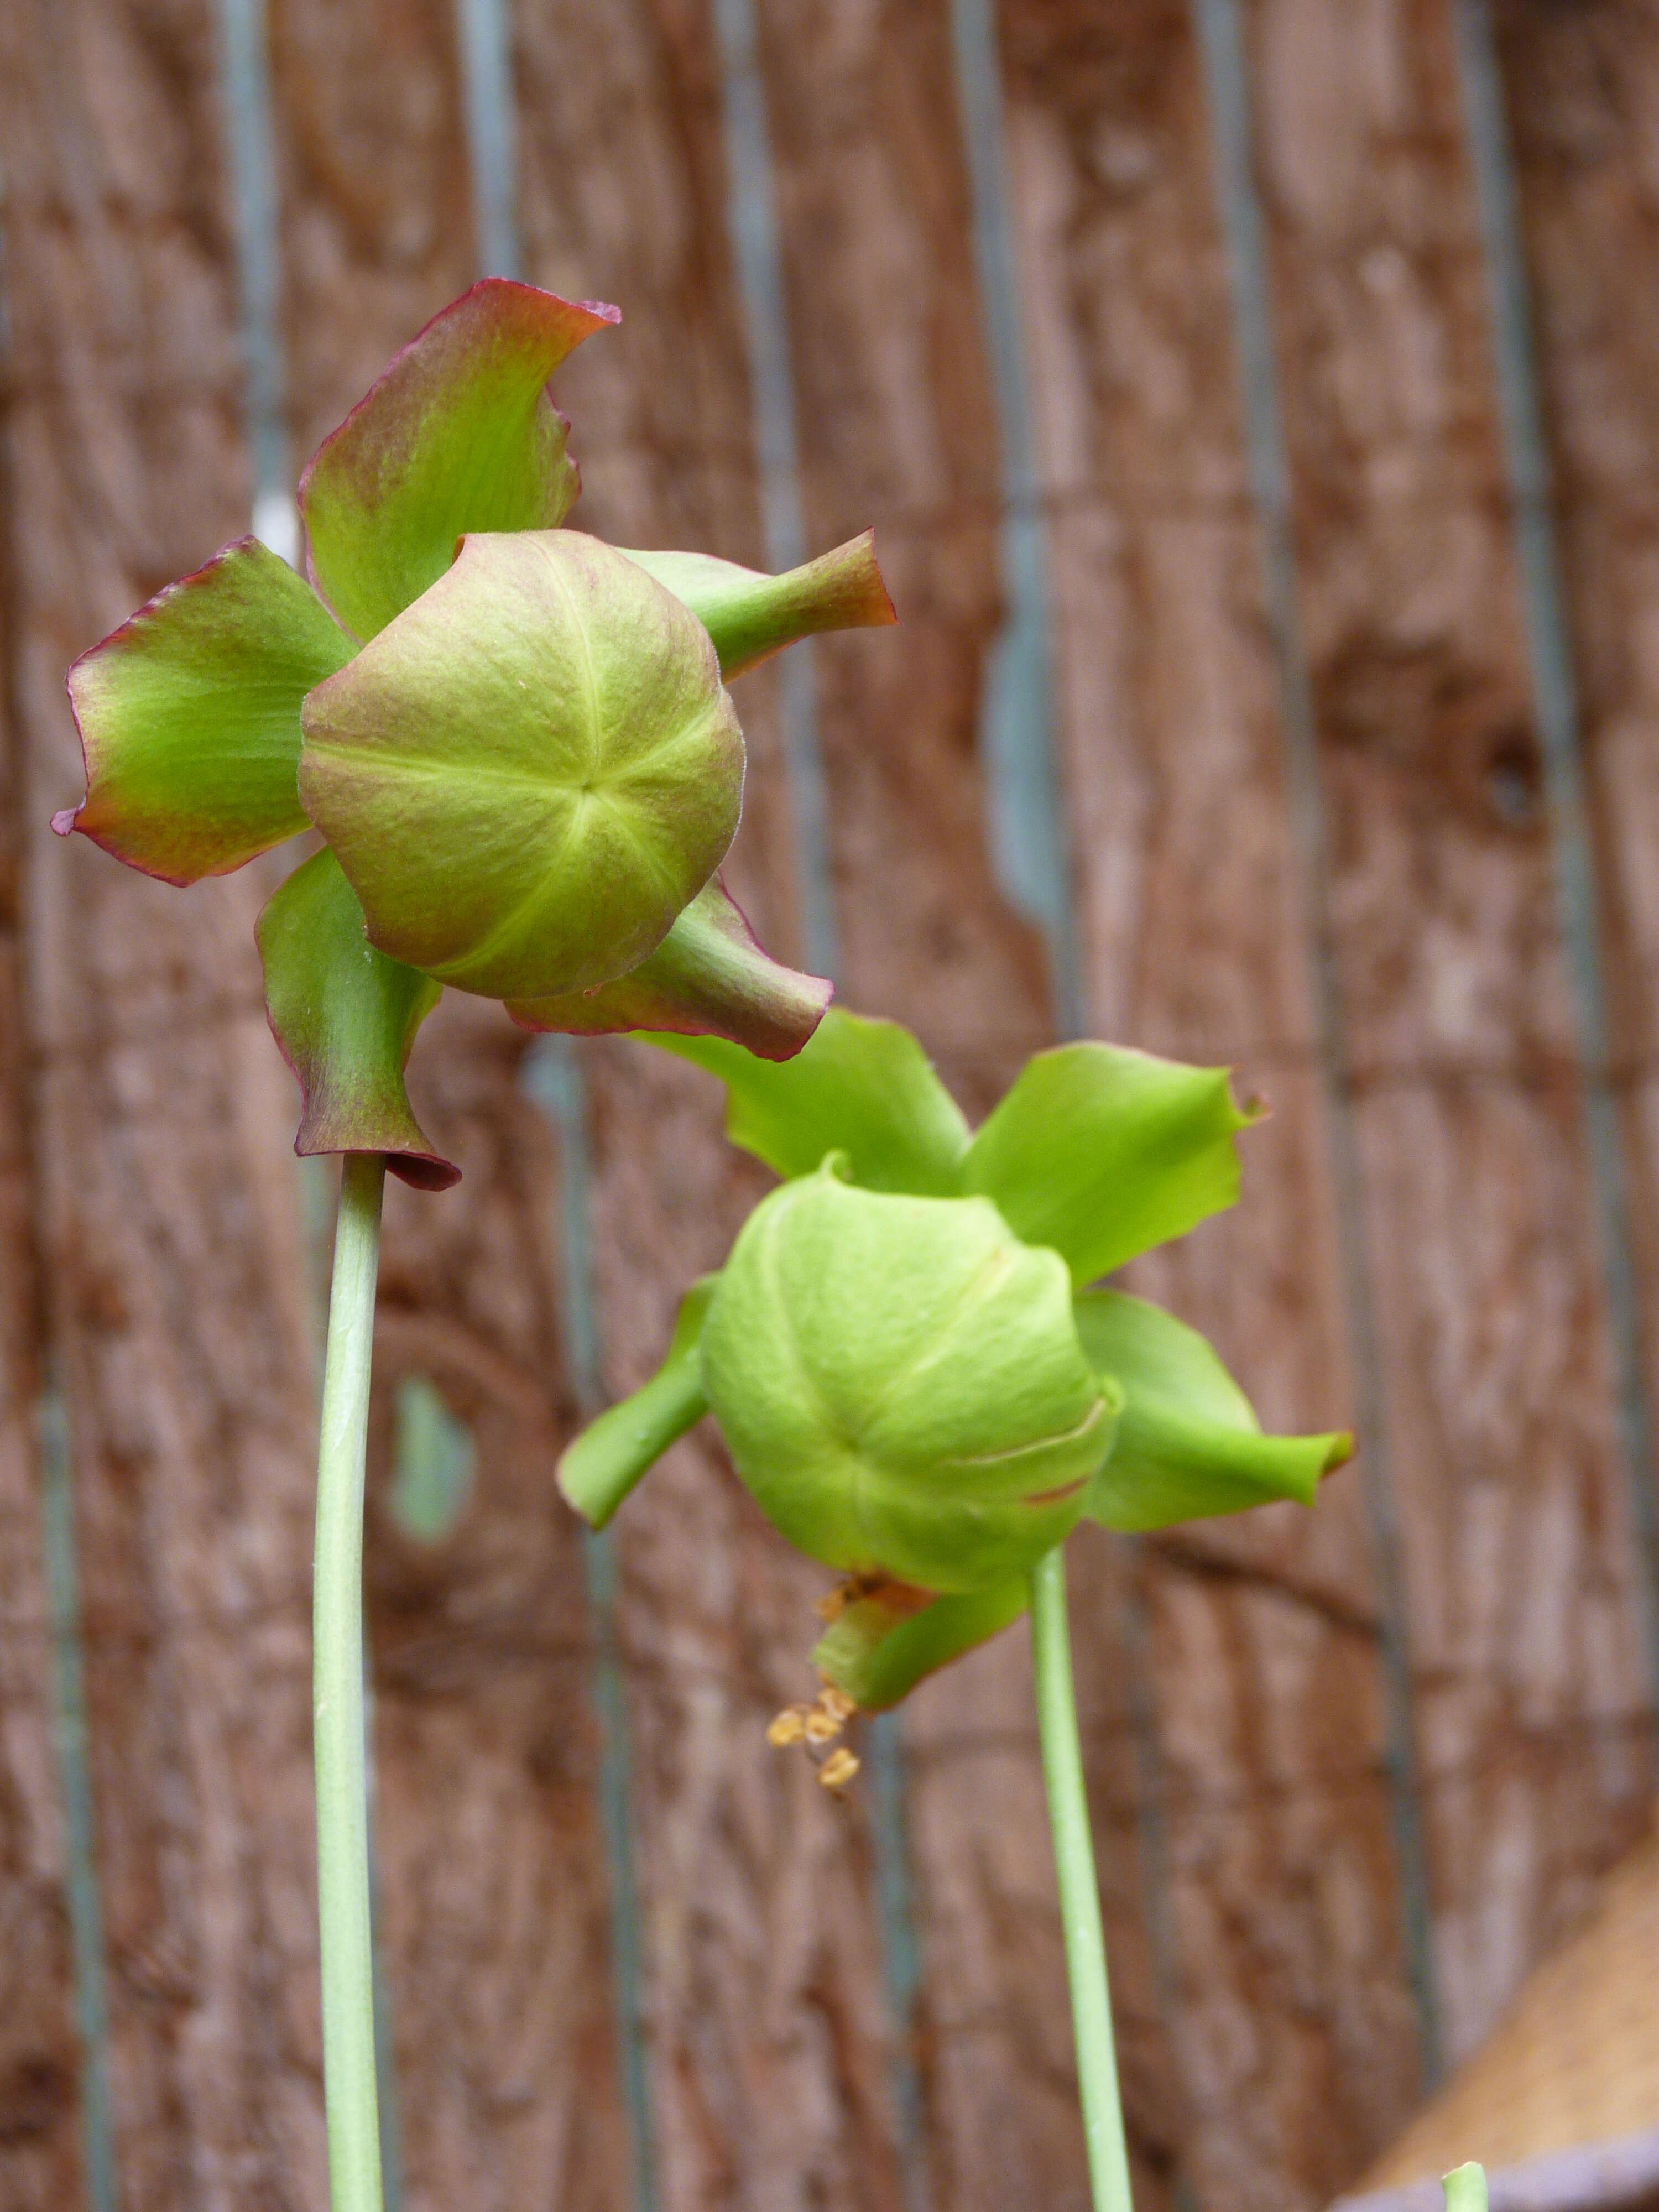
column 862, row 1087
column 531, row 772
column 1100, row 1152
column 900, row 1386
column 189, row 716
column 458, row 435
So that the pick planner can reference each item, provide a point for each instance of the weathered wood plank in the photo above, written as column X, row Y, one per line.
column 1583, row 113
column 765, row 2016
column 40, row 2056
column 493, row 1879
column 493, row 1889
column 1284, row 1982
column 169, row 1252
column 897, row 430
column 1533, row 1722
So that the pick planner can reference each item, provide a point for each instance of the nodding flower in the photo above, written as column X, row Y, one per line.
column 912, row 1362
column 515, row 741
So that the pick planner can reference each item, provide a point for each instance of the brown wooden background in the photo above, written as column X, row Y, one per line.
column 1419, row 1235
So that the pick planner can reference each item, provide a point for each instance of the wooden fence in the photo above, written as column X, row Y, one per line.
column 1262, row 695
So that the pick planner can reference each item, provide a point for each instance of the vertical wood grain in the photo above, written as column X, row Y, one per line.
column 160, row 1125
column 898, row 428
column 1283, row 1976
column 1533, row 1727
column 492, row 1882
column 765, row 2019
column 1582, row 121
column 39, row 2058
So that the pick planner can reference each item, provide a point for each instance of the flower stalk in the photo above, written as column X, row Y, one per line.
column 349, row 2085
column 1079, row 1894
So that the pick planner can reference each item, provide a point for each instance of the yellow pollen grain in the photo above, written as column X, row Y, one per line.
column 838, row 1769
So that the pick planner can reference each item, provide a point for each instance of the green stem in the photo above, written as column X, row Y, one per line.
column 1079, row 1894
column 343, row 1885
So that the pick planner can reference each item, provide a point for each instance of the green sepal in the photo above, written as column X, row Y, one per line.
column 1465, row 2187
column 346, row 1018
column 861, row 1087
column 596, row 1470
column 1100, row 1152
column 901, row 1385
column 708, row 977
column 458, row 435
column 881, row 1645
column 529, row 772
column 750, row 615
column 189, row 716
column 1189, row 1444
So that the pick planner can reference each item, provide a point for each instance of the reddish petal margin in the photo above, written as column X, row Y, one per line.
column 189, row 716
column 708, row 977
column 751, row 615
column 344, row 1017
column 458, row 434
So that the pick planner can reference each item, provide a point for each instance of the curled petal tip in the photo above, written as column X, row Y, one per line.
column 752, row 616
column 64, row 820
column 345, row 1018
column 710, row 977
column 880, row 612
column 420, row 1170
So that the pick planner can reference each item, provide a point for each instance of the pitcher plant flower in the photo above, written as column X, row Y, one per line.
column 909, row 1355
column 923, row 1383
column 514, row 740
column 516, row 746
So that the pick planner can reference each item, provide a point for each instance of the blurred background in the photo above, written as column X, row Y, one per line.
column 1257, row 401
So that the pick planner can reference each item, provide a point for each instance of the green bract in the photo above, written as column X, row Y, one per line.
column 514, row 740
column 914, row 1377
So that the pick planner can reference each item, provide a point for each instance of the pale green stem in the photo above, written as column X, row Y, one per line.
column 1079, row 1894
column 342, row 1883
column 1466, row 2189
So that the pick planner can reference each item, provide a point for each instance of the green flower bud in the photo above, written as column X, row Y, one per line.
column 900, row 1386
column 528, row 773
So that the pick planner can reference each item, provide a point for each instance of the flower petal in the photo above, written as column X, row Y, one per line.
column 862, row 1087
column 708, row 977
column 458, row 435
column 189, row 716
column 598, row 1469
column 1188, row 1445
column 750, row 615
column 531, row 772
column 345, row 1016
column 1102, row 1152
column 881, row 1645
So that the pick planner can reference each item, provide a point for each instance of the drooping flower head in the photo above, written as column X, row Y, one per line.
column 515, row 741
column 916, row 1373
